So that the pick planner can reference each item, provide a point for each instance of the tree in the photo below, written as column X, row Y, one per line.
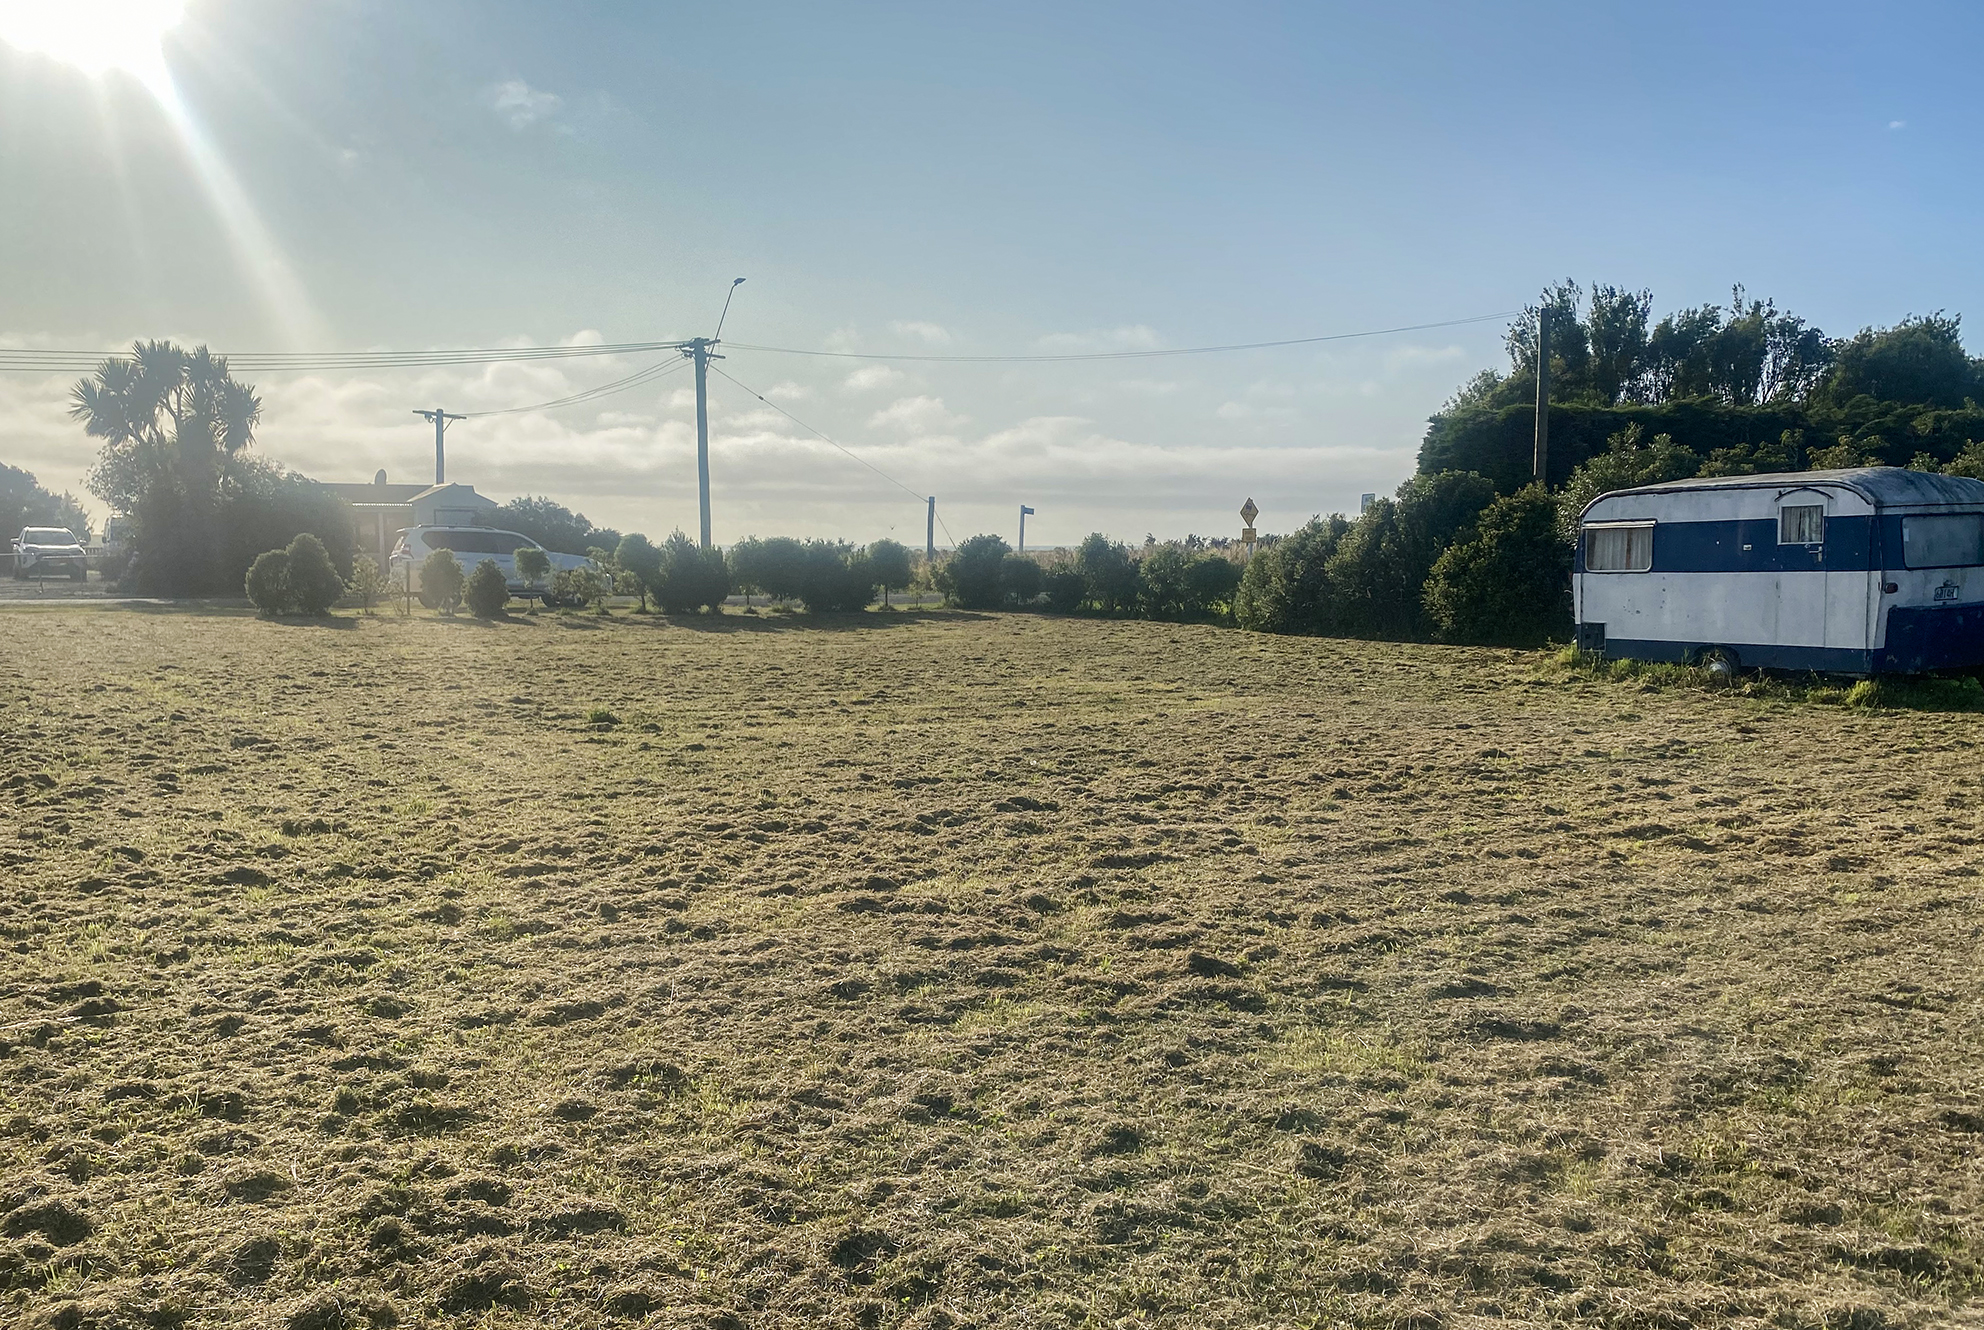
column 974, row 576
column 1108, row 572
column 441, row 581
column 1021, row 579
column 1210, row 581
column 1627, row 463
column 581, row 586
column 366, row 584
column 637, row 555
column 1510, row 583
column 1286, row 587
column 533, row 565
column 837, row 578
column 553, row 525
column 690, row 578
column 25, row 503
column 1066, row 589
column 173, row 423
column 890, row 562
column 1920, row 360
column 1380, row 566
column 488, row 590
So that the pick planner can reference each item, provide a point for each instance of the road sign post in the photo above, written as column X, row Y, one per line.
column 1248, row 512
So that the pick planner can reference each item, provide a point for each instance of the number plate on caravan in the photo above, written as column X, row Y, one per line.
column 1949, row 590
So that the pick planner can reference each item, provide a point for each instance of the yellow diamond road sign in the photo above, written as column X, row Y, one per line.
column 1248, row 512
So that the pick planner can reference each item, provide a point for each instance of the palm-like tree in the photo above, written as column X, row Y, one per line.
column 167, row 417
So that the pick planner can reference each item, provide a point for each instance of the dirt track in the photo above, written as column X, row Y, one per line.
column 941, row 970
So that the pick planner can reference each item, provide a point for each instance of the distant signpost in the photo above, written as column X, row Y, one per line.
column 1248, row 512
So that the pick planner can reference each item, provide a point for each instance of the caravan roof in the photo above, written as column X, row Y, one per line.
column 1881, row 486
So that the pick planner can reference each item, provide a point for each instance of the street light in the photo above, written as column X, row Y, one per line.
column 735, row 283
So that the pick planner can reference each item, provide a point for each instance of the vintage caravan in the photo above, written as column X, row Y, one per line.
column 1868, row 571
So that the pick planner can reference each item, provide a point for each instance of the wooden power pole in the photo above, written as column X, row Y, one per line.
column 1542, row 460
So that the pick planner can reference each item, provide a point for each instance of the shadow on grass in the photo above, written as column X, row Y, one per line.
column 1919, row 693
column 859, row 621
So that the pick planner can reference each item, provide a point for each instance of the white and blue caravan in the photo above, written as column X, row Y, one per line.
column 1875, row 570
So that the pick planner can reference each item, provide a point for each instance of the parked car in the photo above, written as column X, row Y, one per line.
column 49, row 551
column 471, row 545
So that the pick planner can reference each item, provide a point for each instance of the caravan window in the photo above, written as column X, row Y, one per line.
column 1618, row 549
column 1801, row 524
column 1953, row 540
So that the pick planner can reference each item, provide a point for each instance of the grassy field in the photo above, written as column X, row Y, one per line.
column 942, row 971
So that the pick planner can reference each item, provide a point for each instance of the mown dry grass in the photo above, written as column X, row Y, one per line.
column 941, row 971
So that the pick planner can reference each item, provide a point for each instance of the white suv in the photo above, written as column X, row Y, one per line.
column 49, row 551
column 471, row 545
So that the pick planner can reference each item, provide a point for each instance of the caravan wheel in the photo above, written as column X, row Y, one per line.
column 1720, row 662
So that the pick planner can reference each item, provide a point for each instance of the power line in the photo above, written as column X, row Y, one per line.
column 39, row 360
column 1128, row 355
column 920, row 498
column 648, row 375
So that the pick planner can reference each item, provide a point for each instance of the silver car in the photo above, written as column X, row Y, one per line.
column 471, row 545
column 49, row 551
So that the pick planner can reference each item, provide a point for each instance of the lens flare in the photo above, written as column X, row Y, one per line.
column 95, row 36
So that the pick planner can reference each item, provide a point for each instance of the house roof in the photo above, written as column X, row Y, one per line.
column 1884, row 486
column 364, row 492
column 458, row 495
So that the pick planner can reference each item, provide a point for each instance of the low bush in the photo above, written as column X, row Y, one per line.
column 488, row 590
column 296, row 580
column 442, row 581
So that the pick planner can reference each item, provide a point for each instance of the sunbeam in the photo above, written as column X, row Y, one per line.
column 98, row 37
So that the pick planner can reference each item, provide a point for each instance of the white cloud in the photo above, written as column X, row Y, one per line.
column 916, row 415
column 520, row 106
column 788, row 391
column 933, row 333
column 870, row 377
column 1897, row 124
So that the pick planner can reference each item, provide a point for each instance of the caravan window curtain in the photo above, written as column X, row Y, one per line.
column 1953, row 540
column 1801, row 524
column 1618, row 549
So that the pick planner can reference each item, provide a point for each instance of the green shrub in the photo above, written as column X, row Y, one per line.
column 268, row 582
column 690, row 578
column 1066, row 589
column 314, row 584
column 533, row 565
column 1210, row 581
column 1021, row 579
column 442, row 581
column 1109, row 575
column 1510, row 583
column 974, row 577
column 889, row 561
column 488, row 590
column 637, row 557
column 1286, row 588
column 581, row 586
column 836, row 577
column 367, row 583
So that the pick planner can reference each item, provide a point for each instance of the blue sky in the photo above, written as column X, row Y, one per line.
column 952, row 179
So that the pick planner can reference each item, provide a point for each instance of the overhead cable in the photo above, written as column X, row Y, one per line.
column 1050, row 358
column 40, row 360
column 649, row 375
column 824, row 439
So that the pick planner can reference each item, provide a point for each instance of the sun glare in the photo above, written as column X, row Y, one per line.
column 95, row 36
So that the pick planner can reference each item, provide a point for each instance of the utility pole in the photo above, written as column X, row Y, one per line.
column 698, row 349
column 440, row 419
column 702, row 350
column 930, row 532
column 1542, row 460
column 1024, row 510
